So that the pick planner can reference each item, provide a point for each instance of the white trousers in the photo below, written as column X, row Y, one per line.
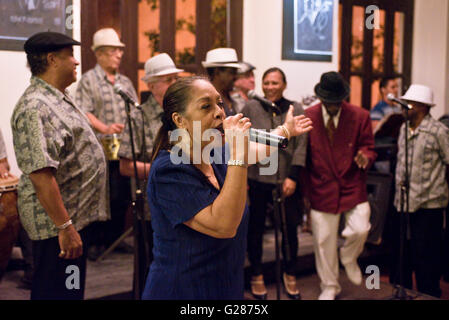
column 325, row 236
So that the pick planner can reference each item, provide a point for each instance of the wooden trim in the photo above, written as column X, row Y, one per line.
column 203, row 35
column 367, row 68
column 236, row 10
column 128, row 27
column 89, row 13
column 167, row 17
column 346, row 41
column 408, row 45
column 389, row 42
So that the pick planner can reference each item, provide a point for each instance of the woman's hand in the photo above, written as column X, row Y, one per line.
column 297, row 125
column 288, row 187
column 236, row 130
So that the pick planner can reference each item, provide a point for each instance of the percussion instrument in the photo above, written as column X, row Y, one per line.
column 111, row 144
column 9, row 219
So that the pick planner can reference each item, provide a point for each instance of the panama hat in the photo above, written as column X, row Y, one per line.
column 106, row 37
column 221, row 57
column 159, row 65
column 419, row 93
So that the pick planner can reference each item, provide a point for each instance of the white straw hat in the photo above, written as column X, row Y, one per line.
column 159, row 65
column 221, row 57
column 106, row 37
column 419, row 93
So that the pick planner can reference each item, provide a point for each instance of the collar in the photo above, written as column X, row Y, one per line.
column 422, row 126
column 36, row 81
column 326, row 115
column 102, row 74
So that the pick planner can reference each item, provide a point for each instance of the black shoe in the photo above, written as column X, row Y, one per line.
column 123, row 247
column 290, row 287
column 94, row 252
column 446, row 277
column 258, row 289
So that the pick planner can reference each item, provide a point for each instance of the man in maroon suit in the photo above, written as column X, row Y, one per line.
column 340, row 150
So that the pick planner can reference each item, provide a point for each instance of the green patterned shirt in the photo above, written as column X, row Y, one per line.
column 95, row 94
column 428, row 155
column 146, row 124
column 49, row 131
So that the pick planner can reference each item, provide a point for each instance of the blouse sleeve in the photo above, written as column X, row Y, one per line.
column 179, row 192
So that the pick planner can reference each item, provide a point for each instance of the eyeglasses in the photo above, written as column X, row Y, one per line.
column 113, row 50
column 166, row 79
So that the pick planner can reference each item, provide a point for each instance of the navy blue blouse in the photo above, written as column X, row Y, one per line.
column 188, row 264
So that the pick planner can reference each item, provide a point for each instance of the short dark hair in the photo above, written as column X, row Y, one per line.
column 38, row 63
column 275, row 69
column 384, row 81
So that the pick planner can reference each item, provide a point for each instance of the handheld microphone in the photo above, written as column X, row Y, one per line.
column 391, row 97
column 265, row 102
column 118, row 89
column 268, row 138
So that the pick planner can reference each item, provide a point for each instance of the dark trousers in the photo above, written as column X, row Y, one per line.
column 422, row 251
column 119, row 199
column 260, row 195
column 53, row 275
column 142, row 263
column 446, row 248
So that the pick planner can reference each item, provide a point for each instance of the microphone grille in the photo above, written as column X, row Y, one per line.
column 117, row 88
column 251, row 94
column 390, row 96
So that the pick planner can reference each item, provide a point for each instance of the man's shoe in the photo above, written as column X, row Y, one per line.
column 123, row 247
column 94, row 252
column 258, row 289
column 354, row 273
column 290, row 286
column 329, row 294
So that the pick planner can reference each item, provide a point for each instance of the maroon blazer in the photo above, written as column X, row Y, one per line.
column 334, row 182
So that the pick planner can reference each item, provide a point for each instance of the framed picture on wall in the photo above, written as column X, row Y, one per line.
column 307, row 30
column 20, row 19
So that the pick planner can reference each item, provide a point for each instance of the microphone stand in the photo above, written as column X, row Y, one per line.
column 279, row 212
column 138, row 213
column 401, row 293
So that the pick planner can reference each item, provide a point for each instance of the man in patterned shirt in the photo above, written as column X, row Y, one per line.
column 428, row 155
column 160, row 73
column 63, row 186
column 107, row 114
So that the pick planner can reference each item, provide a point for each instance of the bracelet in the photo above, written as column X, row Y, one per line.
column 65, row 225
column 239, row 163
column 286, row 132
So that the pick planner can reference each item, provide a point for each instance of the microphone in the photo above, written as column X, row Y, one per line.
column 265, row 102
column 268, row 138
column 118, row 89
column 391, row 97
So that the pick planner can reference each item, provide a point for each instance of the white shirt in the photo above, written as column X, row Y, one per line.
column 326, row 116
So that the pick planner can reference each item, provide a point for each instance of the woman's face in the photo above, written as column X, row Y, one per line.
column 273, row 86
column 204, row 110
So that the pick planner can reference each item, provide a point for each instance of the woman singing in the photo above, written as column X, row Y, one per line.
column 198, row 207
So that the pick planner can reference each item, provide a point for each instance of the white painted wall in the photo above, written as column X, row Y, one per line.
column 262, row 47
column 14, row 78
column 430, row 56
